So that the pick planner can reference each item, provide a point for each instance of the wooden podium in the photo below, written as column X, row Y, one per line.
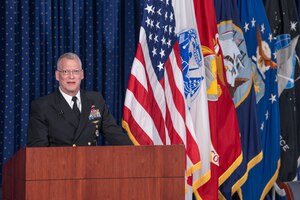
column 90, row 173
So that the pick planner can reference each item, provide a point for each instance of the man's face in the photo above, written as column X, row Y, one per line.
column 69, row 75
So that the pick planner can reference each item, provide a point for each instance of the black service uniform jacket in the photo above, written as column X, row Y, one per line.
column 53, row 123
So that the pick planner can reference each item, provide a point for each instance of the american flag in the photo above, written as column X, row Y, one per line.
column 155, row 110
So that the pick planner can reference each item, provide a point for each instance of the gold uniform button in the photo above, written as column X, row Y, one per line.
column 74, row 145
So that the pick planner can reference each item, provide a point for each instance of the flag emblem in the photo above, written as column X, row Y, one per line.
column 192, row 61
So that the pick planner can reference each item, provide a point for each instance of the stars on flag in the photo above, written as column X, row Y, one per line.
column 262, row 28
column 262, row 126
column 150, row 36
column 293, row 26
column 163, row 40
column 253, row 25
column 149, row 9
column 270, row 38
column 267, row 115
column 149, row 22
column 246, row 27
column 253, row 21
column 159, row 26
column 169, row 43
column 272, row 98
column 155, row 38
column 154, row 52
column 162, row 53
column 159, row 11
column 160, row 66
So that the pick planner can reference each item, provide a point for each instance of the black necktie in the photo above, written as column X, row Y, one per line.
column 75, row 107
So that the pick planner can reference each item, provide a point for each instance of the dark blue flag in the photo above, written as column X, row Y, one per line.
column 260, row 47
column 239, row 77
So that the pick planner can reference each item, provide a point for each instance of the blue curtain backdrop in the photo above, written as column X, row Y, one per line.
column 104, row 33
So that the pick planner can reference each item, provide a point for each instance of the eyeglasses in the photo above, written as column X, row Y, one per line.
column 68, row 72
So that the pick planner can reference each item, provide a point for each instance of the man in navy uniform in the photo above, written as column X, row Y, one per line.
column 70, row 116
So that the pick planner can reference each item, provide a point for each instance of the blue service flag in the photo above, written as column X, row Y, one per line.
column 260, row 47
column 239, row 77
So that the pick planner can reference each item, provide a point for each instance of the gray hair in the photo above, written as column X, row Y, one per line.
column 70, row 56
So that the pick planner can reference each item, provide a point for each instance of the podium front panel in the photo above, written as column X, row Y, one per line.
column 106, row 172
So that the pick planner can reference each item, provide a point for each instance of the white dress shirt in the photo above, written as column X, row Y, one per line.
column 68, row 98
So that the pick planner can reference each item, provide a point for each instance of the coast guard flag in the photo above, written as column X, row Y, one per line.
column 239, row 75
column 260, row 47
column 284, row 23
column 155, row 110
column 225, row 134
column 194, row 85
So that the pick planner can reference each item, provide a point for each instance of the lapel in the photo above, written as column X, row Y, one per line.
column 62, row 107
column 85, row 111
